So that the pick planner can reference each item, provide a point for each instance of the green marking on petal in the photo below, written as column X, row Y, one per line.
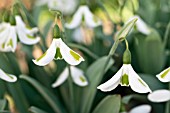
column 95, row 19
column 75, row 55
column 125, row 80
column 31, row 37
column 165, row 73
column 10, row 43
column 9, row 76
column 82, row 79
column 3, row 45
column 141, row 82
column 38, row 59
column 58, row 54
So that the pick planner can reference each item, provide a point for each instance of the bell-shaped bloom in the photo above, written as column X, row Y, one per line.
column 164, row 76
column 76, row 74
column 126, row 76
column 67, row 7
column 157, row 96
column 58, row 50
column 84, row 15
column 8, row 37
column 140, row 109
column 141, row 25
column 7, row 77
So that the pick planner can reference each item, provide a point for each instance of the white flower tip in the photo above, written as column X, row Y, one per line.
column 159, row 96
column 141, row 109
column 38, row 63
column 103, row 89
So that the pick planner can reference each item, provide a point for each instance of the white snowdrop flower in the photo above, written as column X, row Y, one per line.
column 157, row 96
column 83, row 14
column 7, row 77
column 59, row 50
column 164, row 76
column 76, row 74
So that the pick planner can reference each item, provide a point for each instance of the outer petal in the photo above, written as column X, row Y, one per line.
column 11, row 43
column 19, row 21
column 48, row 56
column 136, row 83
column 159, row 96
column 90, row 19
column 141, row 109
column 69, row 55
column 78, row 76
column 164, row 76
column 142, row 26
column 4, row 32
column 112, row 83
column 62, row 77
column 7, row 77
column 77, row 19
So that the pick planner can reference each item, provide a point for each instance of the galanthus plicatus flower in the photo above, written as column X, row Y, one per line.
column 8, row 37
column 76, row 74
column 7, row 77
column 126, row 76
column 140, row 109
column 141, row 25
column 164, row 76
column 67, row 7
column 157, row 96
column 59, row 50
column 83, row 14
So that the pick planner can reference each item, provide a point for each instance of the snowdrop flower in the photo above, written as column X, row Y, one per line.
column 140, row 109
column 58, row 50
column 67, row 7
column 7, row 77
column 8, row 37
column 76, row 74
column 141, row 25
column 126, row 76
column 83, row 14
column 159, row 96
column 164, row 76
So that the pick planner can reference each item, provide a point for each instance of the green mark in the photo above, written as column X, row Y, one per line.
column 31, row 37
column 165, row 73
column 82, row 79
column 3, row 45
column 75, row 55
column 10, row 43
column 95, row 19
column 125, row 80
column 58, row 54
column 38, row 59
column 141, row 82
column 9, row 76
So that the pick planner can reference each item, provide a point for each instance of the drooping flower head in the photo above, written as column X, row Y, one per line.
column 76, row 74
column 85, row 16
column 58, row 50
column 126, row 76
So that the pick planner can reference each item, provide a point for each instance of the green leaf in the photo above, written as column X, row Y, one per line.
column 48, row 96
column 3, row 103
column 94, row 75
column 110, row 104
column 34, row 109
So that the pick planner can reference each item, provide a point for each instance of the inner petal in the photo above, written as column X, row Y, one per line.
column 125, row 80
column 58, row 54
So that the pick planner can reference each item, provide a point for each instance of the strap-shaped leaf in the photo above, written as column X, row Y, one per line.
column 34, row 109
column 3, row 103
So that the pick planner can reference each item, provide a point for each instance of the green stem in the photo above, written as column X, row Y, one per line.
column 166, row 35
column 114, row 47
column 70, row 83
column 84, row 49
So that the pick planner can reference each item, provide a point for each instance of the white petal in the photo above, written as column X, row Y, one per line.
column 159, row 96
column 90, row 19
column 142, row 26
column 48, row 56
column 11, row 43
column 136, row 83
column 112, row 83
column 7, row 77
column 76, row 21
column 141, row 109
column 69, row 55
column 78, row 35
column 19, row 21
column 78, row 76
column 4, row 32
column 62, row 77
column 164, row 76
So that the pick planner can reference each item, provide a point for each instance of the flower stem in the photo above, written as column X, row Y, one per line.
column 70, row 83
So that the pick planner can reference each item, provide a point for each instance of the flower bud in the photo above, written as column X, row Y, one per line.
column 127, row 57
